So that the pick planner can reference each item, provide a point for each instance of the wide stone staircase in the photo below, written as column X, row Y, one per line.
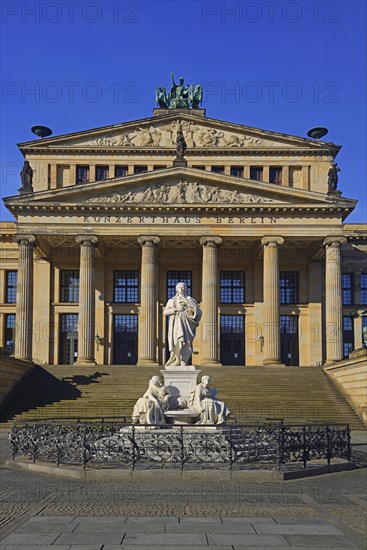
column 253, row 393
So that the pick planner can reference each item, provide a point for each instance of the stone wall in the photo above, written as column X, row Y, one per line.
column 350, row 376
column 12, row 372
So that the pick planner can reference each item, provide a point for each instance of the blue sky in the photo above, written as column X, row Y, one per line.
column 73, row 65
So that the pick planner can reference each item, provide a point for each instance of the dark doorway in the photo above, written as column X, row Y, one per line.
column 125, row 339
column 348, row 335
column 289, row 343
column 232, row 340
column 68, row 347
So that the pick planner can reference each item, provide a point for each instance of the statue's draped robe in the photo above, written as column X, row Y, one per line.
column 149, row 411
column 181, row 329
column 212, row 411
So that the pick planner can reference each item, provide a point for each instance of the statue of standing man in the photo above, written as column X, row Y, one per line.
column 184, row 316
column 26, row 177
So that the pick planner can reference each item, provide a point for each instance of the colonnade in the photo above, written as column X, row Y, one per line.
column 147, row 354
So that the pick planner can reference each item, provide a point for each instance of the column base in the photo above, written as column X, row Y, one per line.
column 273, row 363
column 210, row 363
column 330, row 362
column 85, row 361
column 147, row 363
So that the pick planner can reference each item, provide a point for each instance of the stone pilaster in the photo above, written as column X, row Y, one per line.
column 24, row 299
column 271, row 300
column 147, row 353
column 209, row 301
column 333, row 299
column 86, row 320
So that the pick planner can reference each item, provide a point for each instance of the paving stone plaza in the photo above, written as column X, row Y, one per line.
column 161, row 509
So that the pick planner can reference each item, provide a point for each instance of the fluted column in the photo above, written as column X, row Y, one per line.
column 24, row 299
column 209, row 301
column 148, row 300
column 333, row 299
column 271, row 299
column 86, row 320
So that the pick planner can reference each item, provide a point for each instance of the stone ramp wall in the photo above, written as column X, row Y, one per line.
column 350, row 376
column 12, row 373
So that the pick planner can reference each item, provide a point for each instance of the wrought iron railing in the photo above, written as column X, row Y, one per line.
column 112, row 444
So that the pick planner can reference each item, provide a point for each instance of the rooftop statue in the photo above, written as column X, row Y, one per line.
column 26, row 177
column 180, row 96
column 333, row 177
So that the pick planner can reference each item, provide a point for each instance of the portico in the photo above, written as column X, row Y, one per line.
column 113, row 222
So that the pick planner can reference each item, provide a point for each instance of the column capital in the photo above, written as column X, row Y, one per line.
column 272, row 240
column 25, row 239
column 148, row 240
column 211, row 242
column 87, row 240
column 334, row 242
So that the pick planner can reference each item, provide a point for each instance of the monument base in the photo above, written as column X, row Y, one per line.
column 180, row 381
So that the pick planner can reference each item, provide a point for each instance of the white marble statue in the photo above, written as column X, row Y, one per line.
column 212, row 411
column 150, row 408
column 184, row 316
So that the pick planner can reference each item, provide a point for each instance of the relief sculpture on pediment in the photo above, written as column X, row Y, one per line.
column 165, row 136
column 181, row 193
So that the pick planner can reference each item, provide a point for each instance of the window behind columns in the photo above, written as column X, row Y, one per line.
column 82, row 174
column 232, row 287
column 11, row 287
column 101, row 173
column 69, row 285
column 237, row 171
column 126, row 287
column 275, row 175
column 174, row 277
column 121, row 171
column 363, row 282
column 288, row 287
column 9, row 332
column 348, row 336
column 347, row 289
column 256, row 173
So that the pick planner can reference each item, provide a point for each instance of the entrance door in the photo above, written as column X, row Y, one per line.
column 68, row 346
column 289, row 348
column 348, row 336
column 232, row 340
column 125, row 339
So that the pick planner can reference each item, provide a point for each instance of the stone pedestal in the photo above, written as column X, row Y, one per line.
column 180, row 381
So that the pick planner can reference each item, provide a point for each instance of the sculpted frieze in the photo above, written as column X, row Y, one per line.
column 195, row 135
column 181, row 193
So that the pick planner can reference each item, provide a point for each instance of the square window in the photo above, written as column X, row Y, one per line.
column 256, row 173
column 121, row 171
column 232, row 289
column 126, row 287
column 101, row 173
column 11, row 287
column 82, row 174
column 237, row 171
column 275, row 175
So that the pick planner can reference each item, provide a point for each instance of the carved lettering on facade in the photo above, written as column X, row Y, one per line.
column 182, row 193
column 174, row 220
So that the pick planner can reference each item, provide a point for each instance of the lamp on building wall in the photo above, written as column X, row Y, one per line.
column 98, row 341
column 261, row 340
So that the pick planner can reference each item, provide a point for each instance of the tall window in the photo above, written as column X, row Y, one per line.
column 101, row 173
column 121, row 171
column 218, row 169
column 363, row 282
column 237, row 171
column 11, row 287
column 347, row 289
column 232, row 290
column 139, row 169
column 256, row 173
column 348, row 336
column 9, row 334
column 82, row 174
column 288, row 287
column 126, row 287
column 69, row 285
column 275, row 175
column 174, row 277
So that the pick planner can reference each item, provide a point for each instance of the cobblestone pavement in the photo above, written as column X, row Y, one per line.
column 40, row 511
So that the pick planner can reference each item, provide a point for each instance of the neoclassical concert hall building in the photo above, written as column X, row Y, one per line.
column 249, row 219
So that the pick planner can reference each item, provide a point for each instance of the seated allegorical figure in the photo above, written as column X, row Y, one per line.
column 150, row 408
column 212, row 411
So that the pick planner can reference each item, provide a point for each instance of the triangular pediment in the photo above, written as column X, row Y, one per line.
column 178, row 187
column 160, row 132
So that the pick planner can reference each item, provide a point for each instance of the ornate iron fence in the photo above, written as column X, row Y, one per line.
column 111, row 444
